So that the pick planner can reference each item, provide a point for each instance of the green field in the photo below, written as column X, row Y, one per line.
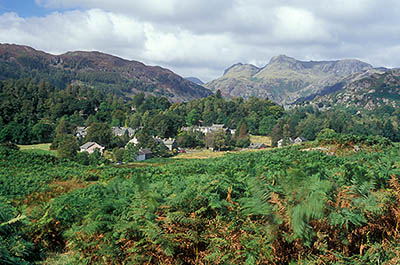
column 38, row 148
column 261, row 139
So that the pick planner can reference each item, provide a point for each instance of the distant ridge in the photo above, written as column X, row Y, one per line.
column 96, row 69
column 284, row 79
column 195, row 80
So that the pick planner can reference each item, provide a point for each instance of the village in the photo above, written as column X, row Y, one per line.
column 171, row 144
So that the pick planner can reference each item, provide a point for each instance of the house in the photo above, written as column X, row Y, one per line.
column 80, row 132
column 217, row 127
column 205, row 129
column 134, row 141
column 282, row 143
column 299, row 140
column 120, row 131
column 170, row 143
column 257, row 146
column 90, row 147
column 144, row 154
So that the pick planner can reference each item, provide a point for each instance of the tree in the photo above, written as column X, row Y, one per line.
column 67, row 147
column 135, row 120
column 190, row 139
column 388, row 131
column 193, row 118
column 43, row 131
column 118, row 118
column 242, row 130
column 266, row 125
column 162, row 126
column 209, row 140
column 218, row 94
column 100, row 133
column 286, row 134
column 62, row 127
column 118, row 154
column 138, row 99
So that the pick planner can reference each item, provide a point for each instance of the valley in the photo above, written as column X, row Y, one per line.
column 109, row 161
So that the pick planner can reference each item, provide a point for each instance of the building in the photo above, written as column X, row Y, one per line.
column 134, row 141
column 120, row 131
column 299, row 140
column 144, row 154
column 170, row 143
column 90, row 147
column 205, row 129
column 282, row 143
column 80, row 132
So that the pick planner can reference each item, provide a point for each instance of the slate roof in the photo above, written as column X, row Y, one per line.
column 144, row 152
column 87, row 145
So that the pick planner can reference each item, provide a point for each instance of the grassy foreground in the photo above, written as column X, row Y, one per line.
column 278, row 206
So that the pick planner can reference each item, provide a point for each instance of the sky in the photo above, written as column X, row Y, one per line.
column 201, row 38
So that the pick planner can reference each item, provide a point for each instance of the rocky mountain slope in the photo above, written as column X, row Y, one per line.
column 98, row 70
column 368, row 90
column 284, row 79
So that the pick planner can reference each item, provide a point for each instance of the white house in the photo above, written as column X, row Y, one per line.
column 90, row 147
column 170, row 143
column 120, row 131
column 134, row 141
column 299, row 140
column 281, row 142
column 206, row 129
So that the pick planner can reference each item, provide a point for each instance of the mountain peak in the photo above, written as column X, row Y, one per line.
column 285, row 79
column 282, row 59
column 243, row 69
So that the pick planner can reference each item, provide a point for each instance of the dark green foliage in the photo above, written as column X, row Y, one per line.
column 118, row 154
column 67, row 146
column 14, row 248
column 277, row 206
column 190, row 139
column 307, row 122
column 100, row 133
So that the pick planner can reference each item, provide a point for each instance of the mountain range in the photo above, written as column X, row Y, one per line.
column 98, row 70
column 284, row 79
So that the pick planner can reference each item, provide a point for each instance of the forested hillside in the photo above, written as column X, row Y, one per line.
column 274, row 207
column 31, row 111
column 97, row 70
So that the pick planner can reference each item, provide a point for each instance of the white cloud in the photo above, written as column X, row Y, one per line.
column 298, row 25
column 201, row 38
column 60, row 32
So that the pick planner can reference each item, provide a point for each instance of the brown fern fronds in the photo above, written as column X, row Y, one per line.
column 344, row 197
column 394, row 184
